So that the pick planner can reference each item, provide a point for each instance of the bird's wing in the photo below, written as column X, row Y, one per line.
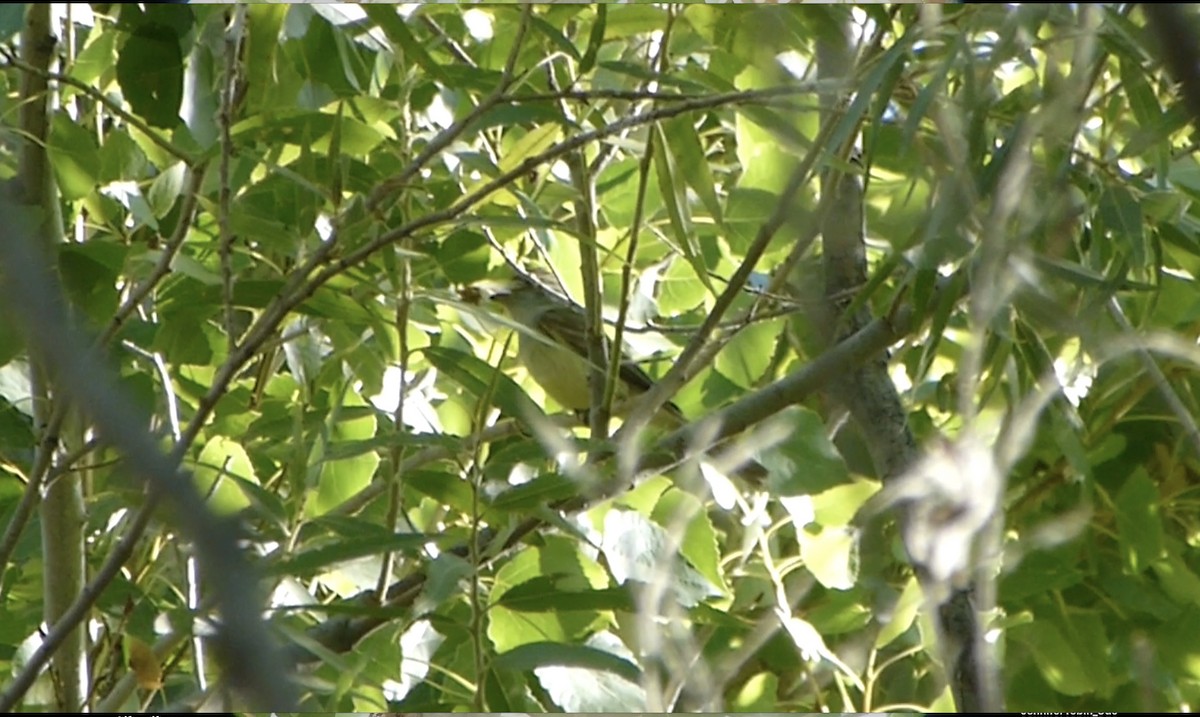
column 565, row 327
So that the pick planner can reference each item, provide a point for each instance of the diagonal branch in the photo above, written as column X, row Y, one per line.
column 82, row 375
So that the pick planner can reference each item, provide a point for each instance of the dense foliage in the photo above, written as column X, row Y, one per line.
column 266, row 215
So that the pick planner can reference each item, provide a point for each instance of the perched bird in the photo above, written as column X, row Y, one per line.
column 554, row 350
column 552, row 347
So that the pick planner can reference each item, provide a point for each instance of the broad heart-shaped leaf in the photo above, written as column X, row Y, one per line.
column 74, row 156
column 831, row 555
column 559, row 556
column 150, row 72
column 586, row 682
column 699, row 540
column 221, row 458
column 89, row 272
column 747, row 355
column 1058, row 659
column 482, row 380
column 341, row 479
column 464, row 256
column 1139, row 524
column 12, row 16
column 807, row 463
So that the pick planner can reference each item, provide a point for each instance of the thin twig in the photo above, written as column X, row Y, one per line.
column 451, row 133
column 756, row 96
column 614, row 369
column 302, row 283
column 678, row 374
column 163, row 266
column 1161, row 382
column 82, row 376
column 233, row 42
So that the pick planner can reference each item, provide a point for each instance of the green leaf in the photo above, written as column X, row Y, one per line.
column 595, row 39
column 1120, row 214
column 263, row 26
column 671, row 188
column 683, row 142
column 150, row 72
column 1139, row 596
column 1177, row 578
column 323, row 55
column 911, row 600
column 179, row 340
column 1056, row 658
column 757, row 694
column 341, row 479
column 165, row 189
column 546, row 654
column 531, row 143
column 543, row 595
column 557, row 39
column 628, row 20
column 16, row 437
column 1139, row 525
column 89, row 274
column 699, row 541
column 546, row 489
column 484, row 381
column 526, row 115
column 831, row 555
column 747, row 355
column 314, row 130
column 446, row 575
column 12, row 15
column 74, row 155
column 279, row 197
column 219, row 460
column 94, row 61
column 396, row 29
column 1176, row 643
column 1141, row 97
column 121, row 158
column 464, row 256
column 558, row 556
column 312, row 560
column 807, row 463
column 446, row 488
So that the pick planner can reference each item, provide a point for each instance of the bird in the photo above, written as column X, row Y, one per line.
column 553, row 349
column 552, row 346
